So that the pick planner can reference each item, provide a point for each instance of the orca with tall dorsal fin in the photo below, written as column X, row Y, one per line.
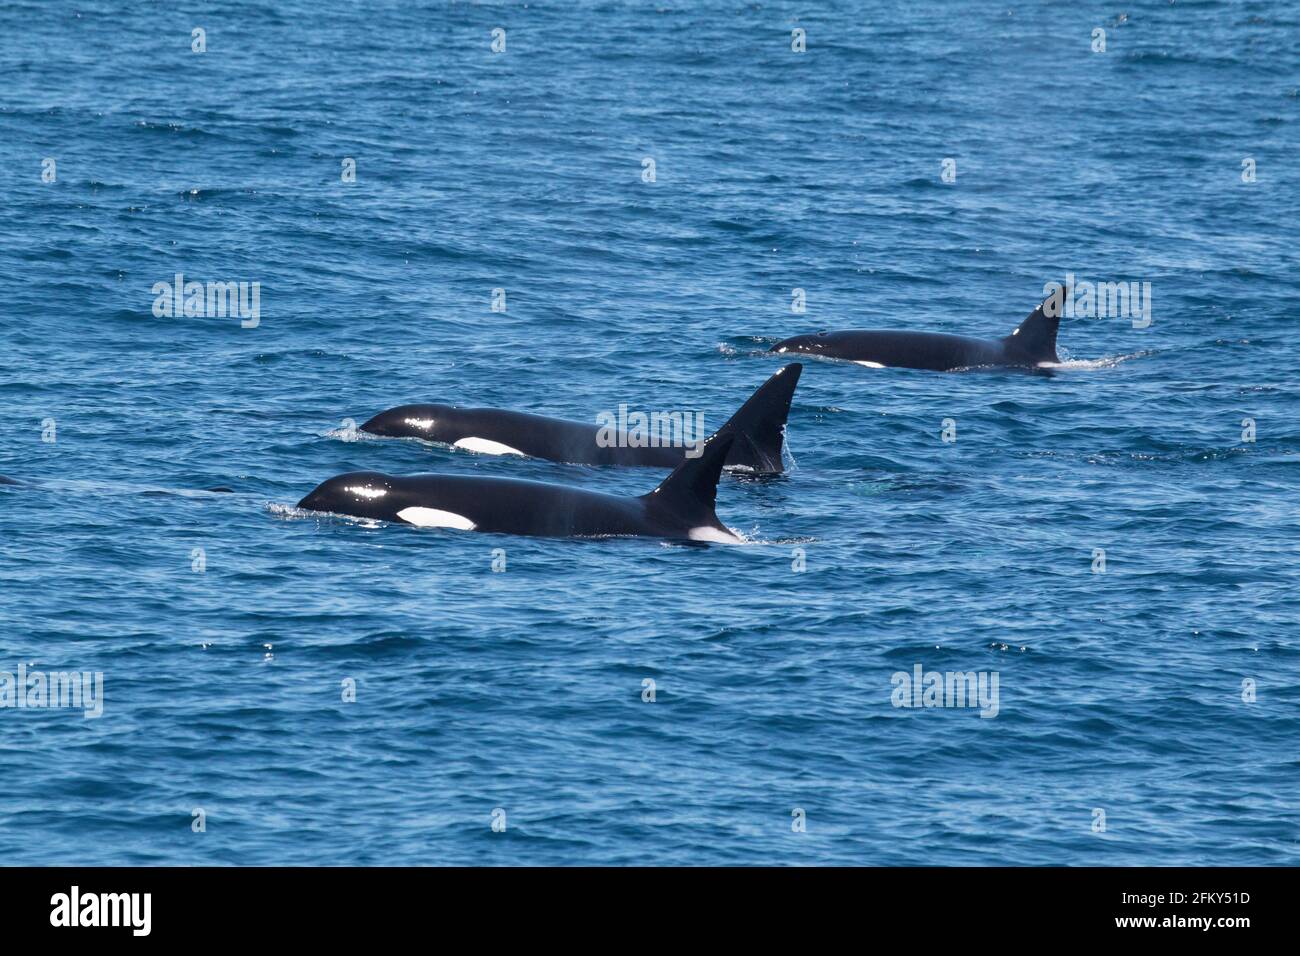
column 759, row 428
column 1031, row 345
column 681, row 508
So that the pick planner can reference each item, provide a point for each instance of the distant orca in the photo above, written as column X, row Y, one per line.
column 759, row 427
column 680, row 508
column 1032, row 345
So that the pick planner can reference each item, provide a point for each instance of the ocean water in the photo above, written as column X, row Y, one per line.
column 1159, row 697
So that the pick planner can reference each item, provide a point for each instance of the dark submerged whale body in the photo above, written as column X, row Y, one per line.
column 1032, row 345
column 682, row 507
column 758, row 427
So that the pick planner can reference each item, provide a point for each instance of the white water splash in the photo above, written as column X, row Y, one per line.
column 294, row 513
column 348, row 433
column 1092, row 365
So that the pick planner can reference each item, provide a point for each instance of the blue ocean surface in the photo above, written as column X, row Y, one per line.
column 1116, row 539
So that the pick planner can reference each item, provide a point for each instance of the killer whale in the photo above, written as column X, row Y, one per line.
column 758, row 429
column 1031, row 345
column 681, row 507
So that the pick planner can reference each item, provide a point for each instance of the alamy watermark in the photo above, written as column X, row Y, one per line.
column 1103, row 300
column 922, row 688
column 211, row 300
column 38, row 689
column 626, row 429
column 75, row 908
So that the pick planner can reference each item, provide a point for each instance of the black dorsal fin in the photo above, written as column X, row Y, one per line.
column 759, row 425
column 689, row 494
column 1035, row 338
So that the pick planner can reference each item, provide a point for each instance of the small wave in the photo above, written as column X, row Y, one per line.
column 288, row 511
column 1193, row 456
column 349, row 432
column 748, row 346
column 174, row 129
column 784, row 542
column 753, row 538
column 293, row 355
column 1092, row 365
column 91, row 486
column 198, row 193
column 294, row 513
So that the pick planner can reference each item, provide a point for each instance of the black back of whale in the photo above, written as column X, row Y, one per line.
column 758, row 427
column 1032, row 344
column 682, row 504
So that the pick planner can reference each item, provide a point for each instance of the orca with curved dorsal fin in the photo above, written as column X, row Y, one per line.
column 682, row 507
column 759, row 428
column 1031, row 345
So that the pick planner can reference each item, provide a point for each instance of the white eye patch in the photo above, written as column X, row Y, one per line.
column 486, row 446
column 433, row 518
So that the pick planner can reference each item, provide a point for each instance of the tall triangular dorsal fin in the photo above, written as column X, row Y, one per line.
column 689, row 494
column 1035, row 338
column 759, row 424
